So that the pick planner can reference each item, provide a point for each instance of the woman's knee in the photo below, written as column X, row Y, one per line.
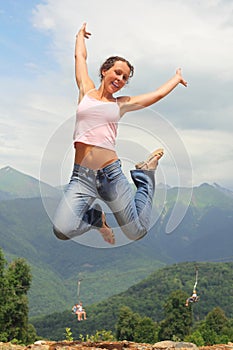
column 59, row 234
column 134, row 234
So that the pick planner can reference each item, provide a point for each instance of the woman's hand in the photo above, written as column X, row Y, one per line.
column 182, row 81
column 84, row 32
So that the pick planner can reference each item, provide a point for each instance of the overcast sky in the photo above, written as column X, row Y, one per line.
column 39, row 94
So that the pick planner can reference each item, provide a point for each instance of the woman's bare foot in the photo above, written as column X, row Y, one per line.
column 151, row 162
column 106, row 231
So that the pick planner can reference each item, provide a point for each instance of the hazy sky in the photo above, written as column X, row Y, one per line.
column 39, row 94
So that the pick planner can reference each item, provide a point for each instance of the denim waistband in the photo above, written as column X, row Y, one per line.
column 108, row 168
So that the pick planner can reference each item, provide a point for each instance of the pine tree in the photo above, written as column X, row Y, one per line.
column 216, row 327
column 15, row 280
column 216, row 320
column 3, row 335
column 146, row 331
column 178, row 320
column 19, row 279
column 126, row 324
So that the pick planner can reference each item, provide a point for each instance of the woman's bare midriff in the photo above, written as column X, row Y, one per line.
column 93, row 157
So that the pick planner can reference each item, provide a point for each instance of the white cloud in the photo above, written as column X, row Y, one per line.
column 211, row 155
column 195, row 34
column 156, row 37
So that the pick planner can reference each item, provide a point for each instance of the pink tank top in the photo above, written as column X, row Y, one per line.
column 97, row 122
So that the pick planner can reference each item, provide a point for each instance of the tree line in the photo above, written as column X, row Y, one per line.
column 15, row 281
column 178, row 325
column 120, row 323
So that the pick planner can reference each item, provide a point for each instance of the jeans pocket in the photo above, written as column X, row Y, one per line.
column 114, row 174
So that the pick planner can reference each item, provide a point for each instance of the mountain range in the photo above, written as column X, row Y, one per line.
column 204, row 234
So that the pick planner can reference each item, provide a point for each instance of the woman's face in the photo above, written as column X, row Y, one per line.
column 116, row 77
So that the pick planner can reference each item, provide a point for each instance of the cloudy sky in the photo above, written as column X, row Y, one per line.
column 39, row 94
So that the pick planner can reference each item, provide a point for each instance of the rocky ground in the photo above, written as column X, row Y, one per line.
column 121, row 345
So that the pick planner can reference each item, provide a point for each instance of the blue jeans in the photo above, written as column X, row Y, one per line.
column 77, row 213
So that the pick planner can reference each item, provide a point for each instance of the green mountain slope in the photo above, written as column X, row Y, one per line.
column 14, row 184
column 147, row 298
column 26, row 231
column 205, row 234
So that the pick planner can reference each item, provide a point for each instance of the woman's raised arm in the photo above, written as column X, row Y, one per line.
column 83, row 80
column 141, row 101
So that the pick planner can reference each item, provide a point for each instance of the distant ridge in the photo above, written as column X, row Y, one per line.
column 204, row 234
column 15, row 184
column 223, row 189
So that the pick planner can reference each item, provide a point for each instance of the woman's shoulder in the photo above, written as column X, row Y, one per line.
column 84, row 94
column 84, row 89
column 123, row 99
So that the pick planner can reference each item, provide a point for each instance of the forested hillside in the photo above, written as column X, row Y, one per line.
column 148, row 297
